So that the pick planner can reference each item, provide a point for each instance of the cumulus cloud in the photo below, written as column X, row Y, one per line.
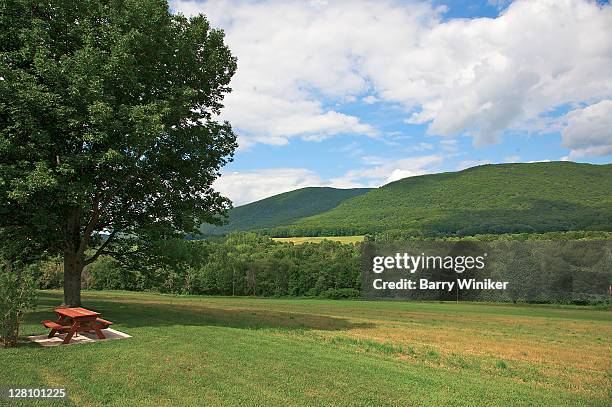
column 270, row 119
column 284, row 70
column 383, row 171
column 370, row 99
column 589, row 130
column 243, row 187
column 249, row 186
column 459, row 76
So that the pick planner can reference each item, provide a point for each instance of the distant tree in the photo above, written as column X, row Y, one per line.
column 108, row 126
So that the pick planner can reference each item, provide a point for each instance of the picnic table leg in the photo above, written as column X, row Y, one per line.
column 96, row 328
column 60, row 321
column 73, row 330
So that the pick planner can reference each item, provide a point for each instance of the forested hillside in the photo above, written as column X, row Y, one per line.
column 283, row 209
column 502, row 198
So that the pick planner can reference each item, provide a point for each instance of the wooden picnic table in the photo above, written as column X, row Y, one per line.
column 74, row 320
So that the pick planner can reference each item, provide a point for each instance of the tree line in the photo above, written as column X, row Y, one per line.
column 249, row 264
column 243, row 264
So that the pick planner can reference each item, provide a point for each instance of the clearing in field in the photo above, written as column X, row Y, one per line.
column 254, row 351
column 319, row 239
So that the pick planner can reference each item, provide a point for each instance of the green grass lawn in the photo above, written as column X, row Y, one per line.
column 250, row 351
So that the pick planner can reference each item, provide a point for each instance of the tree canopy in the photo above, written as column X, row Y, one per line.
column 109, row 125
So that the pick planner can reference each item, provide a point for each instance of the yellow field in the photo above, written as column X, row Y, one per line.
column 319, row 239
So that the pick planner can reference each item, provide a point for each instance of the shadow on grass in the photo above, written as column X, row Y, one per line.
column 135, row 314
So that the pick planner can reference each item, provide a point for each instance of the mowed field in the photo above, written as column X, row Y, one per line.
column 253, row 351
column 319, row 239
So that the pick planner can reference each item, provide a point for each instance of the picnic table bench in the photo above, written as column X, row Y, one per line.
column 74, row 320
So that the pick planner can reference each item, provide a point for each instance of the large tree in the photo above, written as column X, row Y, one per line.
column 109, row 126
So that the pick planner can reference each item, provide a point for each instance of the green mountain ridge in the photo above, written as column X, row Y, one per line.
column 283, row 209
column 494, row 198
column 498, row 198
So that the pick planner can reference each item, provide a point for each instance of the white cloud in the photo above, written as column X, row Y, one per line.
column 384, row 171
column 589, row 130
column 462, row 76
column 284, row 62
column 495, row 74
column 249, row 186
column 370, row 99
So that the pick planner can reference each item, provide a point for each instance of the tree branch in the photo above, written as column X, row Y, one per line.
column 91, row 225
column 101, row 248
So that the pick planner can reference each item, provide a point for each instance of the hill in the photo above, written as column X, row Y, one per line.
column 501, row 198
column 283, row 209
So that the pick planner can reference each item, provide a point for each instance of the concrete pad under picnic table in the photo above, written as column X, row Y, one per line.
column 82, row 337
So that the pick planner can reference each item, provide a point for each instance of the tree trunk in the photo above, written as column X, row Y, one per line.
column 73, row 267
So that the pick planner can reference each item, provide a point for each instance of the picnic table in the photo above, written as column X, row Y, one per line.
column 75, row 320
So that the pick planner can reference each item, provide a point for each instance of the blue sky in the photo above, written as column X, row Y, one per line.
column 361, row 93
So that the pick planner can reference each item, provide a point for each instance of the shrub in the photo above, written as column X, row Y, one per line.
column 105, row 274
column 50, row 273
column 340, row 293
column 17, row 293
